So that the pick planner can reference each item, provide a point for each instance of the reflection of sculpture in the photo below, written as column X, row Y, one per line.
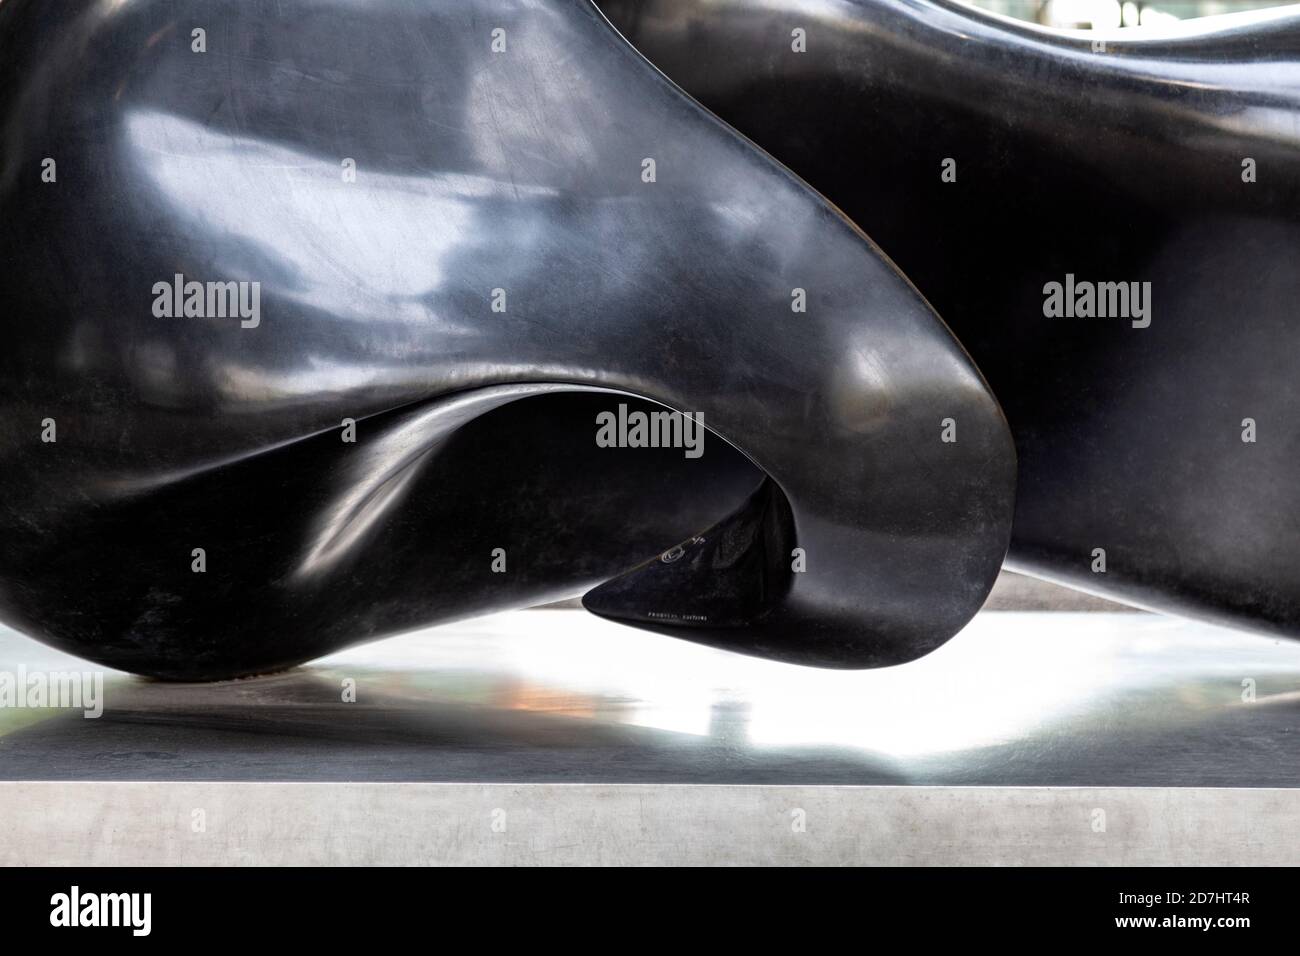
column 1013, row 172
column 421, row 218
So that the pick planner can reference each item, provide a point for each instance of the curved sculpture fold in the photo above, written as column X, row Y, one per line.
column 265, row 230
column 1110, row 223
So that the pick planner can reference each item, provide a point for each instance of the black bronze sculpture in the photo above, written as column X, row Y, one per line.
column 1109, row 222
column 293, row 296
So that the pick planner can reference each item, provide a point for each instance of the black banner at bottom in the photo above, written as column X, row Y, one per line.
column 330, row 905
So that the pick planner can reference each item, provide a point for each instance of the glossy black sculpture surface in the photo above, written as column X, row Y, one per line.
column 989, row 159
column 456, row 214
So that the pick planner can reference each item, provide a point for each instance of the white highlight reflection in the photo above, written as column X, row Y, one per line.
column 379, row 246
column 1006, row 674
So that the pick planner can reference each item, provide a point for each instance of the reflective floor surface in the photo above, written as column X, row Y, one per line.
column 1017, row 699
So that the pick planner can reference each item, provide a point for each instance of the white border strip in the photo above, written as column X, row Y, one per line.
column 167, row 824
